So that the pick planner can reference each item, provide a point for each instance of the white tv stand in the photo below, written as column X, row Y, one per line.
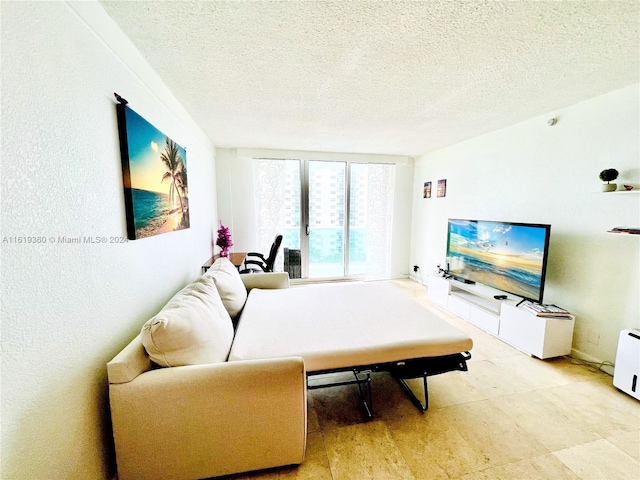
column 542, row 337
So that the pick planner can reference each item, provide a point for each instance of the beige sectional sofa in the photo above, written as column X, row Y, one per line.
column 204, row 416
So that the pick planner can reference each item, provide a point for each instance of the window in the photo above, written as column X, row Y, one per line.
column 347, row 205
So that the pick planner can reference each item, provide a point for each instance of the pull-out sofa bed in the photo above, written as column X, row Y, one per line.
column 216, row 382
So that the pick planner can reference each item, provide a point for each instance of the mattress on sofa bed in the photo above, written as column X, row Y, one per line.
column 340, row 326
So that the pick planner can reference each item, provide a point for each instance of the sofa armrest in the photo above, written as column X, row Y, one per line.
column 271, row 280
column 129, row 363
column 207, row 420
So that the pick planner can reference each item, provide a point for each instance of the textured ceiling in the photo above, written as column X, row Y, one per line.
column 379, row 77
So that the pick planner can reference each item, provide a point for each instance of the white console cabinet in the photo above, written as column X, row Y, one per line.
column 542, row 337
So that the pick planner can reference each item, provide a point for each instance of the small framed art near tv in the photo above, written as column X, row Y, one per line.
column 508, row 256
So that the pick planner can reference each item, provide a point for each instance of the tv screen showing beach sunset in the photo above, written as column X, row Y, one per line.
column 507, row 256
column 157, row 177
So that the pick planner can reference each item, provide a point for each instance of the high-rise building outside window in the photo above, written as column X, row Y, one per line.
column 335, row 216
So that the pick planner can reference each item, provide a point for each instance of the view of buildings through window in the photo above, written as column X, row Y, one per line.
column 327, row 214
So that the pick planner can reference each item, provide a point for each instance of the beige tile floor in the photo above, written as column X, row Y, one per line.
column 509, row 417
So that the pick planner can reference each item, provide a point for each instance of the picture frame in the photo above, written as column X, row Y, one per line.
column 426, row 191
column 442, row 188
column 154, row 173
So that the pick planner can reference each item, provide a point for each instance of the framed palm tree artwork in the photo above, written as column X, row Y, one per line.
column 154, row 170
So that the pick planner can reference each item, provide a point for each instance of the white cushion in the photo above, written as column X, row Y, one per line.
column 193, row 328
column 229, row 284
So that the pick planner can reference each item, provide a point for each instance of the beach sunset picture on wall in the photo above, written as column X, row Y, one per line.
column 154, row 170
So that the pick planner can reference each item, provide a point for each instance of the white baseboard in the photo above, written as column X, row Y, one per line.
column 583, row 356
column 417, row 278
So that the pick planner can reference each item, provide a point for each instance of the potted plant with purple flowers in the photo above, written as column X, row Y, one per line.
column 224, row 240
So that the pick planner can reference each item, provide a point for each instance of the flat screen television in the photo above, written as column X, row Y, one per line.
column 511, row 257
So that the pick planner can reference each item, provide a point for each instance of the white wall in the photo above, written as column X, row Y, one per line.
column 68, row 309
column 532, row 172
column 234, row 169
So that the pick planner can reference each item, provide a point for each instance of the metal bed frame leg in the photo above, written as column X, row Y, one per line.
column 412, row 396
column 368, row 406
column 425, row 367
column 401, row 370
column 364, row 388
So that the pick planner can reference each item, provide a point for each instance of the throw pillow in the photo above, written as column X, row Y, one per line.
column 192, row 328
column 229, row 284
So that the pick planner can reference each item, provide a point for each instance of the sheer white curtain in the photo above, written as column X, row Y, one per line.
column 380, row 183
column 269, row 183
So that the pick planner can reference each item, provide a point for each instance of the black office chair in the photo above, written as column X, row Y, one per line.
column 257, row 263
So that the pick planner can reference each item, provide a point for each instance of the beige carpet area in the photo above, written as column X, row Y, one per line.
column 509, row 417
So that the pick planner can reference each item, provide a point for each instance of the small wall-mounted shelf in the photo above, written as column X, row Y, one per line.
column 625, row 231
column 623, row 192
